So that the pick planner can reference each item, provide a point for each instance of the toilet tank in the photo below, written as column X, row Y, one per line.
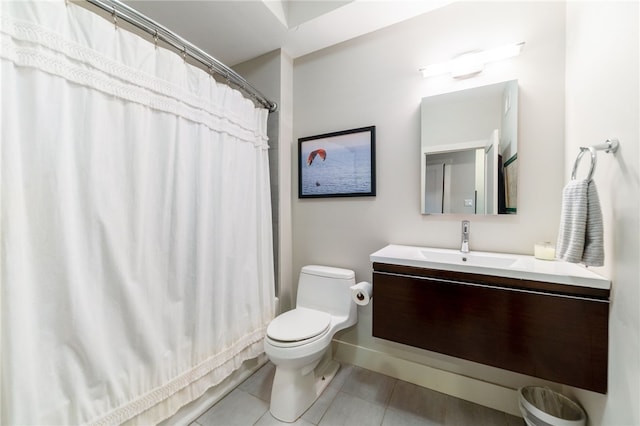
column 326, row 289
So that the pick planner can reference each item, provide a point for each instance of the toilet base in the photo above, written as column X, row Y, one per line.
column 294, row 391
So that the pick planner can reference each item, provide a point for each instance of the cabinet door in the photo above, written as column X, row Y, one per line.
column 555, row 337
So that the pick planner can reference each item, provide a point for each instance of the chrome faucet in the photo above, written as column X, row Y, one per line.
column 466, row 225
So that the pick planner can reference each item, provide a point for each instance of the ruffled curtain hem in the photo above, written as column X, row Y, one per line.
column 206, row 374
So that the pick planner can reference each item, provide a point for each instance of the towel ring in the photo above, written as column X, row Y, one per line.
column 594, row 157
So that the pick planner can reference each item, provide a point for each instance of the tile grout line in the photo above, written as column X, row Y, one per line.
column 386, row 408
column 338, row 390
column 328, row 407
column 263, row 414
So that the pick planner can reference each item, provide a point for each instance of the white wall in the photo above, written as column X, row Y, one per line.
column 602, row 101
column 374, row 80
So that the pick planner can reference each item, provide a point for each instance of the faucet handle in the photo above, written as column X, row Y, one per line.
column 464, row 243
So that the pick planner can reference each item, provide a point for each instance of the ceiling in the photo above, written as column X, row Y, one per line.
column 234, row 31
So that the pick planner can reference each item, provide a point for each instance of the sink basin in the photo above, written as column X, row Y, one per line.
column 487, row 263
column 475, row 259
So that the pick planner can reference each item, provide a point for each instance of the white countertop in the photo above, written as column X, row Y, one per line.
column 496, row 264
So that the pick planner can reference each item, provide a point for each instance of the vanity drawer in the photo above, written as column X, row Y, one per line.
column 542, row 333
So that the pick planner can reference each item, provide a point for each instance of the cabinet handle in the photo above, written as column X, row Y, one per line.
column 493, row 287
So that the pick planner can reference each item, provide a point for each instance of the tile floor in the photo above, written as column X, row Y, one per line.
column 355, row 397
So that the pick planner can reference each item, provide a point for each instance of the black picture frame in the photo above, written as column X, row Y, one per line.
column 338, row 164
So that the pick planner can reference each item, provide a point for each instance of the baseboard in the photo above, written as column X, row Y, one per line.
column 477, row 391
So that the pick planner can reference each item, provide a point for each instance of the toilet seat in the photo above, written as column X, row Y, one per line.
column 298, row 326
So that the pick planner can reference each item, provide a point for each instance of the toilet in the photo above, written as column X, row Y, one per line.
column 298, row 342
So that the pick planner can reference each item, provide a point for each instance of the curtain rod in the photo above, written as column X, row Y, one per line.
column 120, row 10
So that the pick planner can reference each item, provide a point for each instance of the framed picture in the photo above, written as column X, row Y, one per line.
column 339, row 164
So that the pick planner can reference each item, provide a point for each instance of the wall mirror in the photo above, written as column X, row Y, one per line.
column 469, row 151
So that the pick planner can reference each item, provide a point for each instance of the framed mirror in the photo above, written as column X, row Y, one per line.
column 469, row 151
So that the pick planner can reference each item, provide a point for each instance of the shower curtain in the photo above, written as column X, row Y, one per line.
column 136, row 256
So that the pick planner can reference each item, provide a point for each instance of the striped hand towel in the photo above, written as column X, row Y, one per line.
column 580, row 237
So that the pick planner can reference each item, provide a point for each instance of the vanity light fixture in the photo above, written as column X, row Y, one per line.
column 472, row 63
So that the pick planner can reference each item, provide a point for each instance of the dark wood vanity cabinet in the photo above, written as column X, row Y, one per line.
column 552, row 331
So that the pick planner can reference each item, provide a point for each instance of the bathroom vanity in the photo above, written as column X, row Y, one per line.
column 547, row 319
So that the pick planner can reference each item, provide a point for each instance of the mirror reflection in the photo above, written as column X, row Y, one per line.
column 469, row 151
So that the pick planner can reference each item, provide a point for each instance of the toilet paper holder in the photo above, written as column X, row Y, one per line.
column 362, row 293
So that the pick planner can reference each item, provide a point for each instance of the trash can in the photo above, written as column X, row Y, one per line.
column 541, row 406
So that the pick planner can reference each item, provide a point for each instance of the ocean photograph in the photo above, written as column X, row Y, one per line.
column 339, row 165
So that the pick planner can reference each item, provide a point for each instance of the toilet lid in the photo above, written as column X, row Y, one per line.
column 298, row 324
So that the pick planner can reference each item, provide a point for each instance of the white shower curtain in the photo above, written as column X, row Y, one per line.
column 136, row 256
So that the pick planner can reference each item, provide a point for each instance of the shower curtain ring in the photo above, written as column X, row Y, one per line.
column 155, row 38
column 115, row 18
column 184, row 53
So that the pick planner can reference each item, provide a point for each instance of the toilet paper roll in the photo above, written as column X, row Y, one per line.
column 361, row 293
